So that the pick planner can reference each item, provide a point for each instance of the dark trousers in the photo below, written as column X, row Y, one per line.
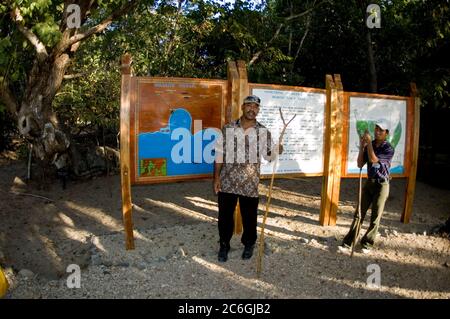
column 249, row 212
column 374, row 194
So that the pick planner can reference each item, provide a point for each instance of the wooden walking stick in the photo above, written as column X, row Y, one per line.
column 269, row 196
column 358, row 226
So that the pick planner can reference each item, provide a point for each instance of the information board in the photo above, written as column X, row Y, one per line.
column 304, row 138
column 363, row 114
column 174, row 123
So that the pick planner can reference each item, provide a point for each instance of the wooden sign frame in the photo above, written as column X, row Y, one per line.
column 234, row 89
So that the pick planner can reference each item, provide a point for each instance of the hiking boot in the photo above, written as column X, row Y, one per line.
column 248, row 251
column 223, row 252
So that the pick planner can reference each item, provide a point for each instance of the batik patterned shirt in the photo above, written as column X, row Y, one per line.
column 240, row 152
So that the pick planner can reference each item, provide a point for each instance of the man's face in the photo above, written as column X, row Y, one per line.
column 380, row 134
column 250, row 111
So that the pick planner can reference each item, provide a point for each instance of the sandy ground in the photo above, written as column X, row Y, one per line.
column 177, row 241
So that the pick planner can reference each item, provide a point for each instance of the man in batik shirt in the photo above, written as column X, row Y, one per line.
column 236, row 174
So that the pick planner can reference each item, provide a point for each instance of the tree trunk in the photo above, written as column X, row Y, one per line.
column 36, row 120
column 373, row 81
column 371, row 59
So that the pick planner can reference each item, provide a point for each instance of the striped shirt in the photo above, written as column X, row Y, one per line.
column 382, row 169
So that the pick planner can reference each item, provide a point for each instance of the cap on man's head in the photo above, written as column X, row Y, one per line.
column 252, row 99
column 382, row 124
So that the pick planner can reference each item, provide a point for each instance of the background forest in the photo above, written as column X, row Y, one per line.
column 68, row 77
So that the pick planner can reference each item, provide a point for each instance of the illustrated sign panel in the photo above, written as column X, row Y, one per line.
column 303, row 139
column 363, row 113
column 175, row 124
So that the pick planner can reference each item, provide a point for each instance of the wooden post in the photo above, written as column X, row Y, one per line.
column 334, row 117
column 411, row 181
column 337, row 119
column 234, row 87
column 125, row 151
column 243, row 82
column 242, row 92
column 233, row 80
column 325, row 203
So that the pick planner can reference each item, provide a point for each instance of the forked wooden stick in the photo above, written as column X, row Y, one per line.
column 269, row 196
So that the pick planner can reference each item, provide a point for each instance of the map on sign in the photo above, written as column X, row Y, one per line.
column 303, row 139
column 173, row 150
column 173, row 127
column 364, row 113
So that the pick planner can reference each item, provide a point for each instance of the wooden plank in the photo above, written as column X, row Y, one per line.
column 237, row 220
column 325, row 194
column 125, row 151
column 285, row 88
column 133, row 106
column 242, row 92
column 234, row 113
column 337, row 148
column 292, row 176
column 332, row 153
column 233, row 86
column 243, row 83
column 411, row 184
column 345, row 135
column 409, row 135
column 376, row 96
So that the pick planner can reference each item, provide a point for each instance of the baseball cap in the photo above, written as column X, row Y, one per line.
column 383, row 124
column 252, row 99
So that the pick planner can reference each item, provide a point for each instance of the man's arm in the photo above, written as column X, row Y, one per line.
column 362, row 146
column 372, row 157
column 370, row 152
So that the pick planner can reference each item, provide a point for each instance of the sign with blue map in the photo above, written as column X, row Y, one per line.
column 173, row 128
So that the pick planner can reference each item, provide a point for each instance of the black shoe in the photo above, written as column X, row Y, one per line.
column 223, row 253
column 248, row 251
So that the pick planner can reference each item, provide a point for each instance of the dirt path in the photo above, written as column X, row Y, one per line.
column 176, row 243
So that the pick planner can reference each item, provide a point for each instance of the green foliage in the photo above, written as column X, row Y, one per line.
column 197, row 39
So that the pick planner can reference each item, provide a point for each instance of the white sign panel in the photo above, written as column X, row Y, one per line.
column 364, row 112
column 303, row 139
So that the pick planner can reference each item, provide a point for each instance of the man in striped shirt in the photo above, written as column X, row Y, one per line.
column 378, row 156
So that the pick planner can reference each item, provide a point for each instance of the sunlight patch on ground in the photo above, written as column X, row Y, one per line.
column 101, row 218
column 182, row 210
column 66, row 220
column 203, row 203
column 251, row 283
column 141, row 210
column 401, row 292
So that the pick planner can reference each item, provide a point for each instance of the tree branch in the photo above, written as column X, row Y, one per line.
column 34, row 40
column 308, row 23
column 73, row 76
column 287, row 19
column 257, row 54
column 101, row 26
column 295, row 16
